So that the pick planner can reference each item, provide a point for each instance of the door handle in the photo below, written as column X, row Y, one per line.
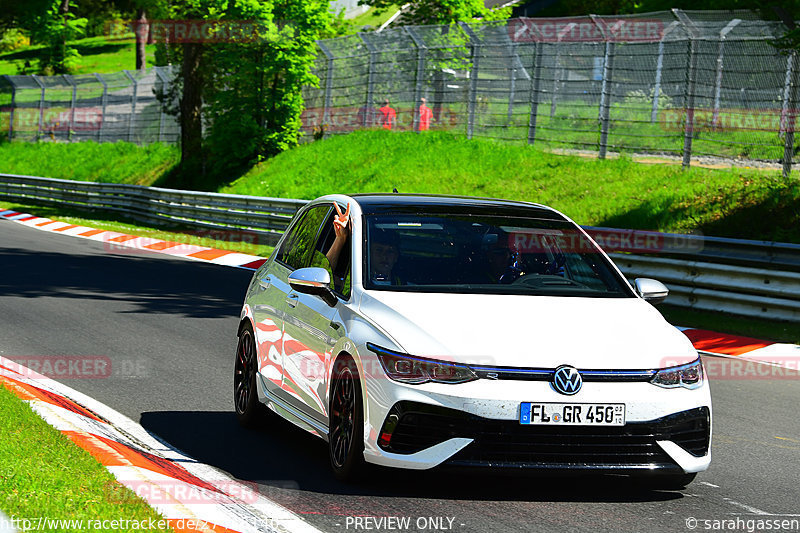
column 291, row 300
column 265, row 282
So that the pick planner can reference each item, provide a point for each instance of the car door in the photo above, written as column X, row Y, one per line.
column 272, row 290
column 311, row 329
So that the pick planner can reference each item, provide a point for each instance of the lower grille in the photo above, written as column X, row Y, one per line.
column 415, row 427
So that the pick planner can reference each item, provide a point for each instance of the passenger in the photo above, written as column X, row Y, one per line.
column 383, row 254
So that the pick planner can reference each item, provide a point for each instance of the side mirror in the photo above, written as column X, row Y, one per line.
column 651, row 290
column 313, row 280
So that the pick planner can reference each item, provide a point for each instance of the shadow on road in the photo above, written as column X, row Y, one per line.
column 292, row 468
column 148, row 283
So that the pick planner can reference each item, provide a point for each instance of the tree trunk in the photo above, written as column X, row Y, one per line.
column 191, row 111
column 142, row 34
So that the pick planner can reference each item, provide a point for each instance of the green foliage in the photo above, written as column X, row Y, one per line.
column 13, row 39
column 251, row 87
column 51, row 26
column 442, row 11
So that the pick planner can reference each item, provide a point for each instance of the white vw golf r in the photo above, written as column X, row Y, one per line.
column 435, row 332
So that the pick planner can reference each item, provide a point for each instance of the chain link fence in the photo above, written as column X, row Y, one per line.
column 679, row 84
column 102, row 107
column 674, row 83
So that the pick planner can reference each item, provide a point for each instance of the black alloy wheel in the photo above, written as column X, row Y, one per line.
column 346, row 432
column 245, row 396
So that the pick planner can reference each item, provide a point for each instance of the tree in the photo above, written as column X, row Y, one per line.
column 239, row 90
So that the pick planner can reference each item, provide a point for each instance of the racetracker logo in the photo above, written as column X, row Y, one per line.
column 63, row 366
column 583, row 29
column 729, row 119
column 195, row 31
column 771, row 369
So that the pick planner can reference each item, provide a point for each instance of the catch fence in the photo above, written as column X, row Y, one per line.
column 121, row 106
column 677, row 83
column 681, row 84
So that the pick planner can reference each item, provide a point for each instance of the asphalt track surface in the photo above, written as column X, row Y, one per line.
column 168, row 326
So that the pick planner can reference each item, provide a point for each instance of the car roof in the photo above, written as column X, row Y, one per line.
column 381, row 203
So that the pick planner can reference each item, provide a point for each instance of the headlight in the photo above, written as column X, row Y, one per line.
column 417, row 370
column 687, row 376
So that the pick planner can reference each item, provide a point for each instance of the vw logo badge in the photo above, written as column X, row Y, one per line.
column 567, row 380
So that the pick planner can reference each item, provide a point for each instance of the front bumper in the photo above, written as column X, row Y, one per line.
column 667, row 430
column 506, row 444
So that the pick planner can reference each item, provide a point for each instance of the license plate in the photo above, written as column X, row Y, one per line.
column 572, row 414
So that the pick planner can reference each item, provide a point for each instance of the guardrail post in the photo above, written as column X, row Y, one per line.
column 41, row 106
column 419, row 75
column 472, row 97
column 720, row 57
column 72, row 105
column 534, row 92
column 370, row 101
column 326, row 110
column 691, row 74
column 790, row 105
column 133, row 104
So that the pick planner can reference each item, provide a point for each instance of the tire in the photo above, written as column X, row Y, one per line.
column 669, row 482
column 346, row 426
column 245, row 395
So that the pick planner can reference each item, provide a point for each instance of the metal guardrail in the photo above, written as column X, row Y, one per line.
column 749, row 278
column 267, row 217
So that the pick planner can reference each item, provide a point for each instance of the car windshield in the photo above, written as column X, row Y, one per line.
column 473, row 253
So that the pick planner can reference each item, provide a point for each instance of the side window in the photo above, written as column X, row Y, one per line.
column 341, row 275
column 297, row 249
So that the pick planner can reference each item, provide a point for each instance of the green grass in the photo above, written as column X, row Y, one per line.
column 98, row 54
column 373, row 18
column 44, row 474
column 724, row 323
column 247, row 244
column 119, row 162
column 617, row 193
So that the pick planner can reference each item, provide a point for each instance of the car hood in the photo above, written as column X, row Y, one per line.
column 529, row 331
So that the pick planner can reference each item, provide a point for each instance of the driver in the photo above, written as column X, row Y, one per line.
column 502, row 259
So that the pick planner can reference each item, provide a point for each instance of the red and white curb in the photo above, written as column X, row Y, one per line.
column 123, row 243
column 191, row 496
column 745, row 348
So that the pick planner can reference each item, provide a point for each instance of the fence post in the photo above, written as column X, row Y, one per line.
column 161, row 115
column 511, row 94
column 605, row 91
column 659, row 69
column 41, row 105
column 369, row 104
column 473, row 77
column 420, row 73
column 534, row 96
column 557, row 67
column 691, row 74
column 133, row 104
column 720, row 56
column 13, row 105
column 72, row 105
column 104, row 103
column 326, row 109
column 790, row 105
